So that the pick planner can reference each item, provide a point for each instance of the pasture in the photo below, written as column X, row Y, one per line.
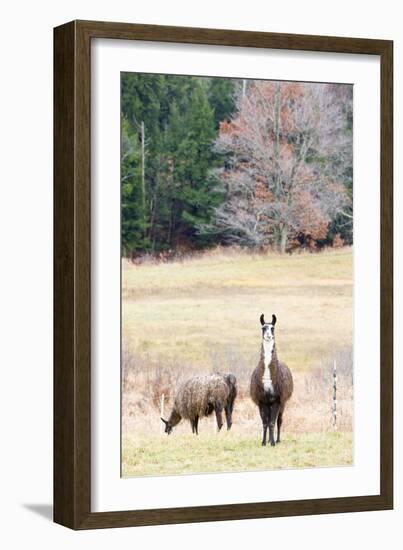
column 232, row 452
column 201, row 315
column 192, row 308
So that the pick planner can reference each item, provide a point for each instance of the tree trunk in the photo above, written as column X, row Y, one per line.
column 281, row 238
column 244, row 87
column 278, row 191
column 143, row 176
column 143, row 166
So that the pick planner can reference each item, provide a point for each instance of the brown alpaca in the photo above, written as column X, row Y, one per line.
column 271, row 383
column 201, row 396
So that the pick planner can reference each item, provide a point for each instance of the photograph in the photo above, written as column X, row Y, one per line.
column 236, row 274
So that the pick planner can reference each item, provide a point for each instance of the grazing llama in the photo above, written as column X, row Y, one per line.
column 271, row 383
column 201, row 395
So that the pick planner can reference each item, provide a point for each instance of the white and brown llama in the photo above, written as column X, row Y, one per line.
column 271, row 383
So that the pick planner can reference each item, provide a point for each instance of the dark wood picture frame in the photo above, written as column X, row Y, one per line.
column 72, row 270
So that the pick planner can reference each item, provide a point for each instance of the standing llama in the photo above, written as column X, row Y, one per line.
column 201, row 395
column 271, row 383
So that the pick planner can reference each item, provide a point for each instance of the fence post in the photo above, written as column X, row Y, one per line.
column 334, row 396
column 162, row 412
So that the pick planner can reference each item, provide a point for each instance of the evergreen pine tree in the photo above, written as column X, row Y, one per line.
column 221, row 95
column 132, row 198
column 179, row 115
column 195, row 160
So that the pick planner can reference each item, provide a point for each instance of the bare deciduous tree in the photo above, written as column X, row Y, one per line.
column 287, row 148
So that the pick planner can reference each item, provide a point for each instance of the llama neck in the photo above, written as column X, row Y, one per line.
column 268, row 353
column 174, row 418
column 268, row 356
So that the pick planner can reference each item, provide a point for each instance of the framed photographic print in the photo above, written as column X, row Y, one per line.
column 223, row 315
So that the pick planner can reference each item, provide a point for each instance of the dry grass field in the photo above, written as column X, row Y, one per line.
column 202, row 315
column 183, row 309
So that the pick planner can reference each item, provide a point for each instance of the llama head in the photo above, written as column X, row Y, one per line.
column 268, row 328
column 168, row 426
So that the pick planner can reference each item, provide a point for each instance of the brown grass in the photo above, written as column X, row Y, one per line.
column 309, row 410
column 201, row 315
column 187, row 309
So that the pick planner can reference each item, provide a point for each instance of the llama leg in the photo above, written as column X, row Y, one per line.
column 264, row 414
column 218, row 415
column 279, row 422
column 228, row 416
column 272, row 422
column 197, row 425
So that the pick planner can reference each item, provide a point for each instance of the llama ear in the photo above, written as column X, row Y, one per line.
column 164, row 421
column 273, row 319
column 262, row 319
